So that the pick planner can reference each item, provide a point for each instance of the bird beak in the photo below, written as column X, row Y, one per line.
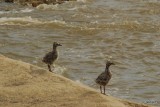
column 59, row 45
column 113, row 63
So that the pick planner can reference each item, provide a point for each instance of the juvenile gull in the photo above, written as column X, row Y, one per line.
column 51, row 57
column 104, row 77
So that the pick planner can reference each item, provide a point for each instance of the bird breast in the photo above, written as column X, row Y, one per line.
column 104, row 78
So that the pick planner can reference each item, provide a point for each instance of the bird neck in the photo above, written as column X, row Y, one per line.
column 54, row 48
column 107, row 69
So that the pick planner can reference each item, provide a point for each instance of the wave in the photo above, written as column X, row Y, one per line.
column 84, row 25
column 26, row 21
column 83, row 1
column 26, row 10
column 65, row 6
column 47, row 7
column 59, row 69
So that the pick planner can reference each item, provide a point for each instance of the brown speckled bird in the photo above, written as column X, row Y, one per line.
column 104, row 77
column 51, row 57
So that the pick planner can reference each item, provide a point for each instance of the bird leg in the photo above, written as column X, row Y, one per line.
column 104, row 90
column 100, row 88
column 53, row 66
column 49, row 67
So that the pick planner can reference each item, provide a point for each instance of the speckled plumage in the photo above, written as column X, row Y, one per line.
column 104, row 77
column 51, row 57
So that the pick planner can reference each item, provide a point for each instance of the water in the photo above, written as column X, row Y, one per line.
column 124, row 31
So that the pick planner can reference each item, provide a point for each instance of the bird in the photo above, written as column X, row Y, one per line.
column 52, row 56
column 104, row 77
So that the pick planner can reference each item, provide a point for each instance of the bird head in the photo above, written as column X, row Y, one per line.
column 108, row 63
column 55, row 44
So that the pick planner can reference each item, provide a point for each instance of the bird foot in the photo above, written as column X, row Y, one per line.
column 50, row 70
column 105, row 94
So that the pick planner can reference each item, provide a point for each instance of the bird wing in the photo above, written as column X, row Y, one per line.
column 47, row 57
column 102, row 77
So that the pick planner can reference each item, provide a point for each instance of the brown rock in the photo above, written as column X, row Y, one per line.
column 36, row 3
column 9, row 1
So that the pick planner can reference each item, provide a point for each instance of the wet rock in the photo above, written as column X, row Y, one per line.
column 35, row 3
column 9, row 1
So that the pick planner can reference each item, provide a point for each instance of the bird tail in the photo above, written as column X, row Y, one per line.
column 43, row 60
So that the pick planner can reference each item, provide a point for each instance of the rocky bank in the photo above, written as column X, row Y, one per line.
column 35, row 3
column 26, row 85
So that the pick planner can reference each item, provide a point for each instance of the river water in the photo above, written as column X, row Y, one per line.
column 126, row 32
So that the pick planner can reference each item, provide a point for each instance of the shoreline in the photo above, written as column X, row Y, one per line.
column 23, row 84
column 35, row 3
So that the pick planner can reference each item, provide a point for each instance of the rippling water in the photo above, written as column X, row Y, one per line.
column 124, row 31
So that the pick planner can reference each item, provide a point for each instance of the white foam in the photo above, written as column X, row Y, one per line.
column 24, row 21
column 84, row 1
column 153, row 1
column 78, row 81
column 47, row 7
column 4, row 12
column 74, row 8
column 17, row 20
column 59, row 69
column 59, row 21
column 27, row 10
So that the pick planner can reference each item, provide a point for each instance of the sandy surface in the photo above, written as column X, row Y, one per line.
column 26, row 85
